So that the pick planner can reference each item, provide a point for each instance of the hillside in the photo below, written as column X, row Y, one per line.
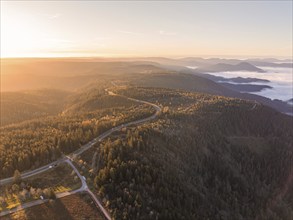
column 207, row 157
column 191, row 81
column 245, row 87
column 222, row 67
column 77, row 75
column 146, row 110
column 65, row 74
column 32, row 143
column 235, row 79
column 24, row 105
column 174, row 80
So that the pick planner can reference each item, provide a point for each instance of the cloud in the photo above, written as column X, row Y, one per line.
column 162, row 32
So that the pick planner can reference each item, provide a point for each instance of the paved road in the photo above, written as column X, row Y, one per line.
column 83, row 188
column 90, row 144
column 69, row 157
column 59, row 195
column 32, row 172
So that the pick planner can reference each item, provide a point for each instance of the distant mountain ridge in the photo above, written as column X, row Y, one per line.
column 235, row 79
column 223, row 67
column 201, row 62
column 150, row 72
column 245, row 87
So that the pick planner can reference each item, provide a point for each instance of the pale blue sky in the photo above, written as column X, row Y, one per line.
column 173, row 28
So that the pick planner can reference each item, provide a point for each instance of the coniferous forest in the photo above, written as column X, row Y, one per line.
column 210, row 158
column 204, row 157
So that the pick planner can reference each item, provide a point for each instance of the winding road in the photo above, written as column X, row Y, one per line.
column 68, row 158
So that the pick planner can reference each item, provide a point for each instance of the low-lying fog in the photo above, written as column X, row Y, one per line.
column 281, row 80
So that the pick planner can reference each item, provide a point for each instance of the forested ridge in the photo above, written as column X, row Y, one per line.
column 207, row 157
column 38, row 141
column 24, row 105
column 204, row 157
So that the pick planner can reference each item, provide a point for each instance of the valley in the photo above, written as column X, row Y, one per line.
column 145, row 142
column 146, row 110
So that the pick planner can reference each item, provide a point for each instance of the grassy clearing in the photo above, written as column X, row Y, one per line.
column 55, row 179
column 12, row 195
column 73, row 207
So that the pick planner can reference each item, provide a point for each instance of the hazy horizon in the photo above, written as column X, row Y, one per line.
column 143, row 29
column 146, row 109
column 239, row 57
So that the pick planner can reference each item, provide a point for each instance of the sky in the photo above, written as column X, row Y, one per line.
column 146, row 28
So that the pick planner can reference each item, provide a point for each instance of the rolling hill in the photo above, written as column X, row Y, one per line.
column 81, row 74
column 223, row 67
column 24, row 105
column 207, row 157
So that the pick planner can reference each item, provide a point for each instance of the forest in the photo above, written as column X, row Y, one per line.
column 207, row 157
column 204, row 157
column 32, row 143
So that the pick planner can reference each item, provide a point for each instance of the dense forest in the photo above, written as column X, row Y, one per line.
column 207, row 157
column 38, row 141
column 24, row 105
column 204, row 157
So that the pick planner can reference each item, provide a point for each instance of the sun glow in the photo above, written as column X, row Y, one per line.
column 94, row 28
column 19, row 36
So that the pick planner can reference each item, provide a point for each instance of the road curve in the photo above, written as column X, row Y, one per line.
column 68, row 158
column 87, row 146
column 83, row 188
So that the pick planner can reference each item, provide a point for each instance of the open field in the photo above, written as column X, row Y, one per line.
column 78, row 206
column 33, row 187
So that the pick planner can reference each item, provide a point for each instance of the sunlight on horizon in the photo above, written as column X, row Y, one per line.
column 121, row 29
